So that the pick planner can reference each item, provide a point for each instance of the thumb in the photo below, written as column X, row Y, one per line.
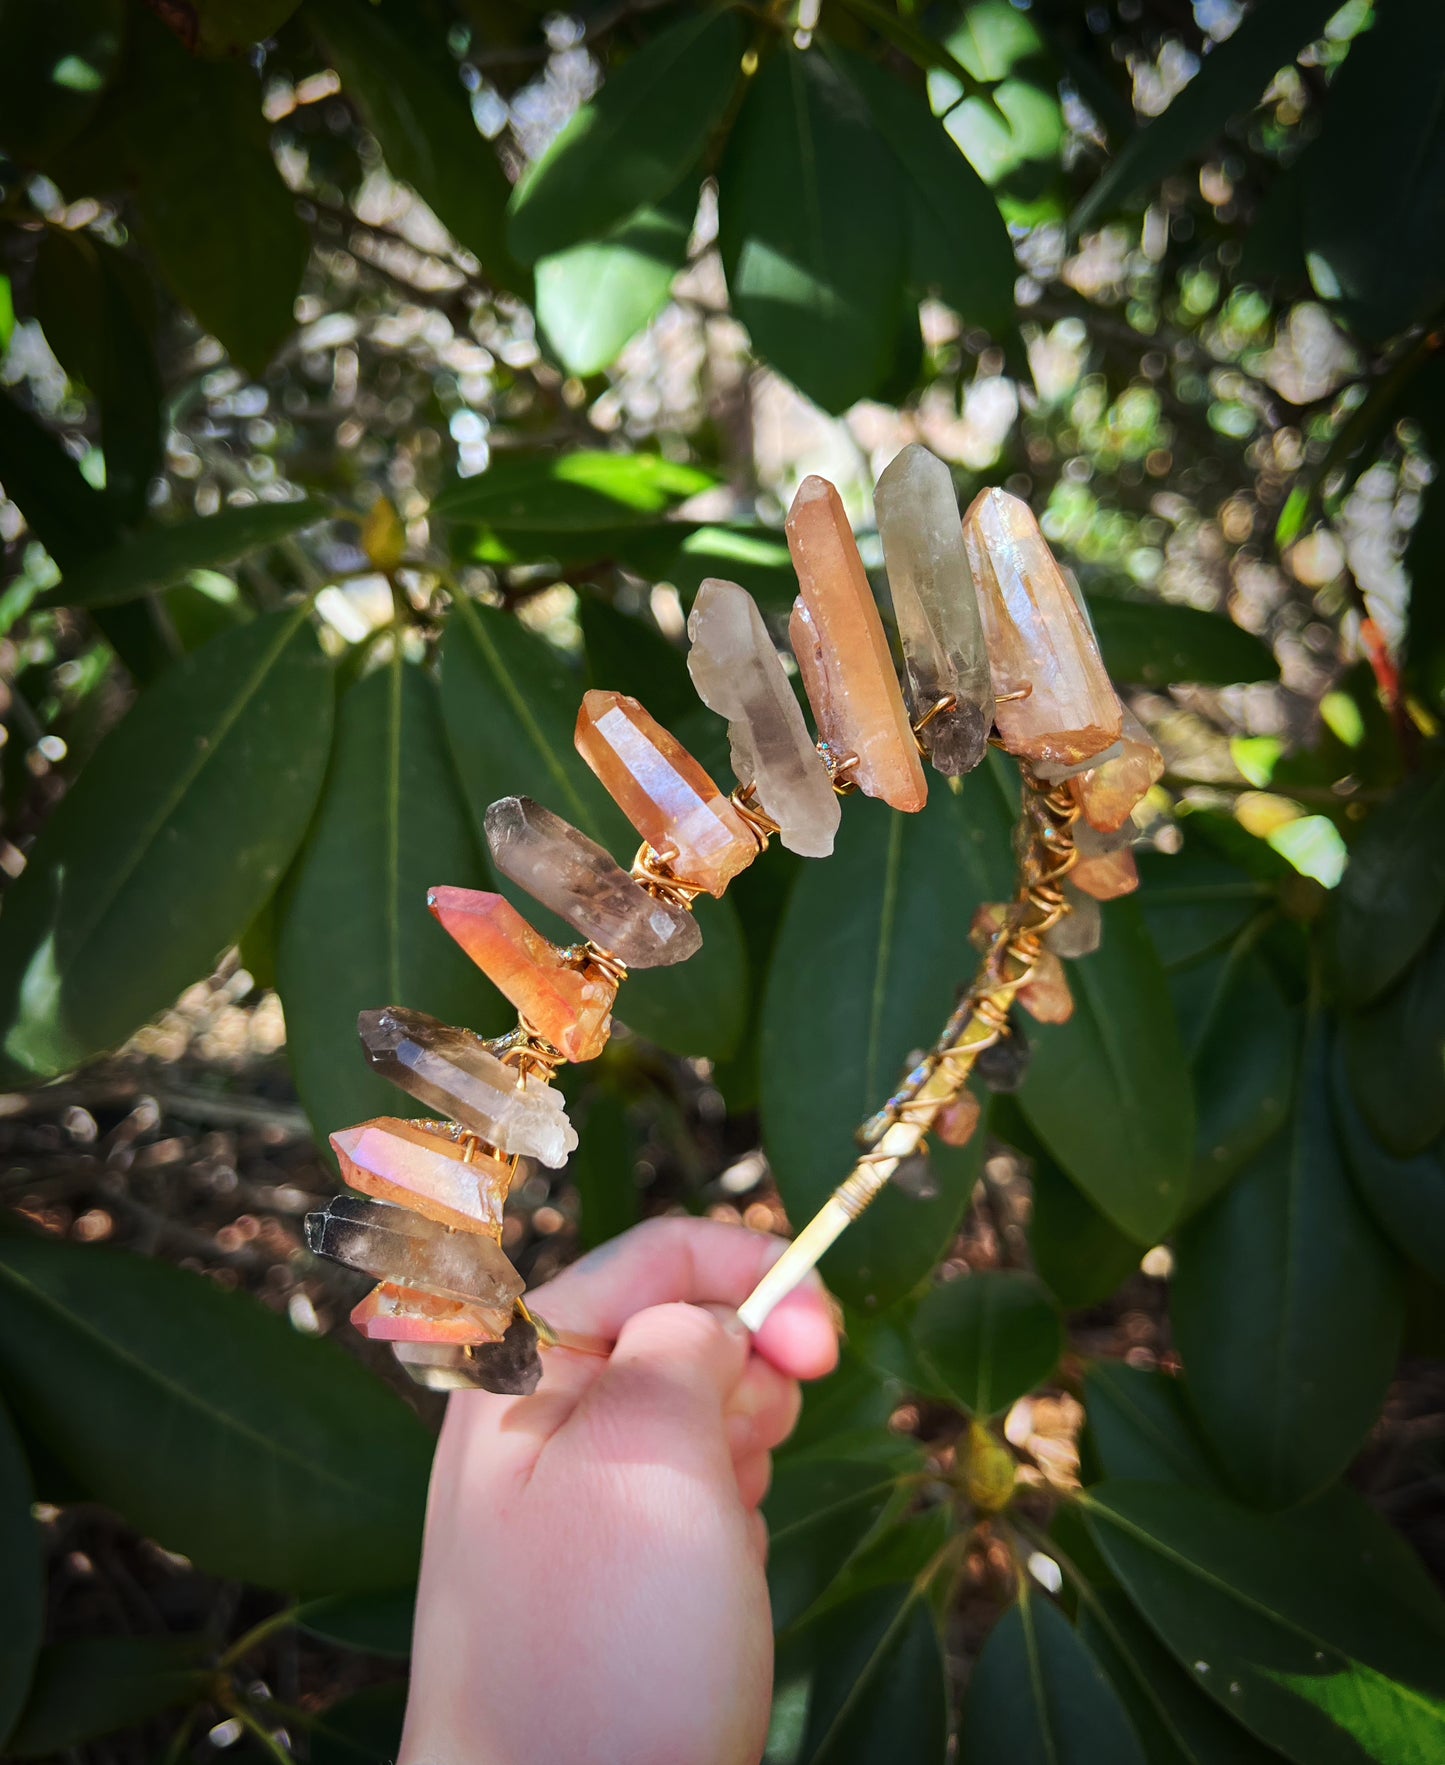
column 661, row 1396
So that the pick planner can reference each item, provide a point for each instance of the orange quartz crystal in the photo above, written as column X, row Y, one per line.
column 663, row 791
column 405, row 1314
column 1045, row 994
column 1107, row 876
column 417, row 1165
column 566, row 1002
column 843, row 654
column 1107, row 794
column 1039, row 642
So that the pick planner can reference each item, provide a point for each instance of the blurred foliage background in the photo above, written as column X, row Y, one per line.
column 375, row 377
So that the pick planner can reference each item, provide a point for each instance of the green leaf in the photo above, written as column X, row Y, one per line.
column 22, row 1612
column 1230, row 81
column 98, row 314
column 865, row 1682
column 990, row 1337
column 959, row 246
column 1080, row 1255
column 574, row 492
column 1374, row 181
column 757, row 557
column 372, row 1623
column 1196, row 901
column 167, row 845
column 595, row 297
column 872, row 947
column 1389, row 899
column 217, row 218
column 364, row 1729
column 1109, row 1093
column 1038, row 1697
column 844, row 1415
column 1286, row 1378
column 1151, row 643
column 1141, row 1429
column 1282, row 1621
column 628, row 654
column 636, row 139
column 812, row 227
column 208, row 1423
column 155, row 559
column 1395, row 1052
column 818, row 1515
column 603, row 1170
column 71, row 520
column 510, row 702
column 88, row 1686
column 55, row 61
column 354, row 932
column 1241, row 1044
column 1406, row 1196
column 225, row 27
column 395, row 67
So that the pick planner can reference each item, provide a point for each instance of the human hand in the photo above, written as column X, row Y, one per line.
column 592, row 1587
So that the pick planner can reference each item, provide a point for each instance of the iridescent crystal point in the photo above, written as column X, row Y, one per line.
column 583, row 884
column 1109, row 792
column 1055, row 703
column 1108, row 876
column 398, row 1245
column 939, row 626
column 738, row 674
column 663, row 791
column 420, row 1165
column 403, row 1314
column 454, row 1072
column 843, row 653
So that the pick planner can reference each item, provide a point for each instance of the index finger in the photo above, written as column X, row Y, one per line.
column 701, row 1262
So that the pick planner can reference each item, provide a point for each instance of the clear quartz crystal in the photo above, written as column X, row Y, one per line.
column 1079, row 932
column 1039, row 641
column 583, row 884
column 936, row 607
column 397, row 1245
column 453, row 1072
column 738, row 674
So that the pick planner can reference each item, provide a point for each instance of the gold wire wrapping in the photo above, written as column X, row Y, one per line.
column 652, row 868
column 754, row 817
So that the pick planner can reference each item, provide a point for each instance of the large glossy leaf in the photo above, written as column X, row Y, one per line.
column 398, row 72
column 1406, row 1196
column 990, row 1337
column 1196, row 900
column 148, row 562
column 583, row 491
column 1155, row 644
column 595, row 297
column 1395, row 1052
column 70, row 519
column 363, row 1729
column 958, row 245
column 168, row 844
column 510, row 702
column 1230, row 81
column 1109, row 1092
column 208, row 1423
column 1038, row 1697
column 1286, row 1377
column 55, row 61
column 354, row 932
column 634, row 142
column 873, row 946
column 1374, row 182
column 371, row 1623
column 864, row 1683
column 22, row 1612
column 1390, row 897
column 1284, row 1621
column 86, row 1687
column 216, row 217
column 1140, row 1427
column 818, row 1513
column 812, row 220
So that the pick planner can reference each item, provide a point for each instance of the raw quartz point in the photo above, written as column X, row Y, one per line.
column 1109, row 792
column 397, row 1245
column 1045, row 995
column 663, row 791
column 1037, row 638
column 510, row 1368
column 955, row 1122
column 1106, row 877
column 843, row 654
column 419, row 1165
column 1079, row 932
column 1004, row 1064
column 402, row 1314
column 944, row 653
column 737, row 673
column 567, row 1003
column 584, row 885
column 453, row 1072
